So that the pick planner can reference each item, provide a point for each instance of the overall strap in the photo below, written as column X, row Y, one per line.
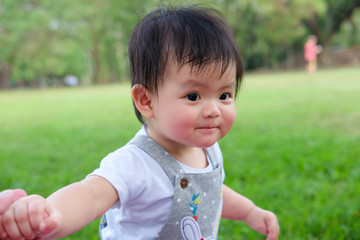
column 211, row 153
column 167, row 162
column 158, row 153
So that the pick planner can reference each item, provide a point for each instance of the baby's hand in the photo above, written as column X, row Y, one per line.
column 29, row 218
column 264, row 221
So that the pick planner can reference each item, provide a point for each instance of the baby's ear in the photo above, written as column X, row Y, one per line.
column 142, row 99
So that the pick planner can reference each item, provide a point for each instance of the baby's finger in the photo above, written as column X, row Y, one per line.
column 273, row 235
column 22, row 219
column 10, row 225
column 273, row 229
column 51, row 221
column 3, row 234
column 36, row 210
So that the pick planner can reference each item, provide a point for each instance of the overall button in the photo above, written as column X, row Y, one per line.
column 184, row 183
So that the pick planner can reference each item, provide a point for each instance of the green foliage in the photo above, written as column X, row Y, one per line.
column 294, row 148
column 326, row 24
column 267, row 31
column 43, row 41
column 349, row 33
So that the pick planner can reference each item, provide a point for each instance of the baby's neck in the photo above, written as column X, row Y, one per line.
column 193, row 157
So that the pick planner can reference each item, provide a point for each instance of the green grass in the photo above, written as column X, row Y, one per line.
column 294, row 149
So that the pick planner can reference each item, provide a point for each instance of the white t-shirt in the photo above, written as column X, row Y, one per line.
column 144, row 189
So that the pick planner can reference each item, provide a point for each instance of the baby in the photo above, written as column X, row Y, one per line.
column 167, row 182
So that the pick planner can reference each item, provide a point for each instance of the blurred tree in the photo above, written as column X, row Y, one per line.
column 13, row 31
column 349, row 33
column 266, row 30
column 30, row 50
column 42, row 41
column 325, row 24
column 270, row 31
column 100, row 28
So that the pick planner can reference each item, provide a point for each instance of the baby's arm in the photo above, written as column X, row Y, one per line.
column 238, row 207
column 64, row 212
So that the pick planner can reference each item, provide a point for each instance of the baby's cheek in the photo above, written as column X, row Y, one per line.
column 181, row 125
column 229, row 119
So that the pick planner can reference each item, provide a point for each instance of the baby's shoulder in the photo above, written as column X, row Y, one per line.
column 127, row 155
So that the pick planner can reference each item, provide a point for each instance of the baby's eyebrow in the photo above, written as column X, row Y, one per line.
column 191, row 83
column 194, row 83
column 231, row 84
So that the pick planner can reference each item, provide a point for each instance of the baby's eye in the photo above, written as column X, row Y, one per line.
column 225, row 96
column 193, row 97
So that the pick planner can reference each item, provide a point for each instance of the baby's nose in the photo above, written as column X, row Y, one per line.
column 211, row 110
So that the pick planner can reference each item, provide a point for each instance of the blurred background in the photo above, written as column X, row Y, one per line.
column 294, row 148
column 52, row 43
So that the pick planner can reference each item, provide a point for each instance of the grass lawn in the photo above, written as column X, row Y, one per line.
column 294, row 149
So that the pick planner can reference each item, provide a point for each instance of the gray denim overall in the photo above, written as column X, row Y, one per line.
column 197, row 206
column 196, row 211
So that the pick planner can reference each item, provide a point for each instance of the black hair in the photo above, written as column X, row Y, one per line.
column 187, row 35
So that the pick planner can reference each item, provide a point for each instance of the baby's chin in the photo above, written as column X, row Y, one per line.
column 203, row 141
column 205, row 144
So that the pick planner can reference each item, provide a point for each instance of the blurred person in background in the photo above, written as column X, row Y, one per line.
column 311, row 50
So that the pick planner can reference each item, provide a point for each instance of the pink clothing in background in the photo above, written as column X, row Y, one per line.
column 310, row 50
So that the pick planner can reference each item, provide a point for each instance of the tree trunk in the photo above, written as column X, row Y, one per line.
column 96, row 62
column 5, row 73
column 95, row 55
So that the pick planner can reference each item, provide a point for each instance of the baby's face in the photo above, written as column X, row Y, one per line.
column 194, row 108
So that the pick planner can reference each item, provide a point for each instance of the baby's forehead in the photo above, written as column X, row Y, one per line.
column 215, row 69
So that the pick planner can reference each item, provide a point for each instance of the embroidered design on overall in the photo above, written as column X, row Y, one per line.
column 195, row 204
column 103, row 222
